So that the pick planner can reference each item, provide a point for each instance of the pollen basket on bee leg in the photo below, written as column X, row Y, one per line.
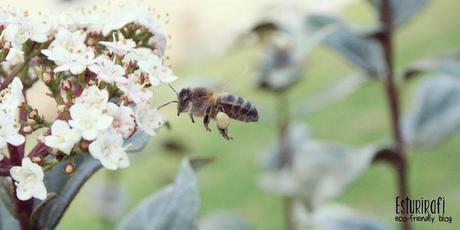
column 222, row 120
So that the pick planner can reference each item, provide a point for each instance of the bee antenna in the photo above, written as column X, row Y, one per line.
column 170, row 86
column 165, row 104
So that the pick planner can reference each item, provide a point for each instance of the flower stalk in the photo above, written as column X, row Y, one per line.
column 392, row 94
column 283, row 119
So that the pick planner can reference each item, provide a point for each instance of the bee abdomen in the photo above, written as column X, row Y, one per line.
column 238, row 108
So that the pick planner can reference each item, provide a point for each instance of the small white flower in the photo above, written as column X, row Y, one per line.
column 62, row 137
column 93, row 97
column 89, row 121
column 28, row 180
column 38, row 30
column 165, row 75
column 148, row 119
column 70, row 41
column 108, row 148
column 76, row 62
column 151, row 64
column 9, row 131
column 15, row 56
column 159, row 42
column 140, row 55
column 131, row 13
column 73, row 21
column 15, row 34
column 69, row 52
column 123, row 119
column 134, row 90
column 121, row 46
column 20, row 29
column 12, row 97
column 107, row 71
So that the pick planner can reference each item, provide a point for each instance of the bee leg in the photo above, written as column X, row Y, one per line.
column 224, row 133
column 206, row 119
column 191, row 117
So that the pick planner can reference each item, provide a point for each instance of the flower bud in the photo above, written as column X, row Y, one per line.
column 69, row 169
column 33, row 114
column 7, row 46
column 28, row 129
column 91, row 41
column 84, row 144
column 53, row 151
column 61, row 108
column 47, row 77
column 66, row 85
column 37, row 160
column 91, row 82
column 31, row 122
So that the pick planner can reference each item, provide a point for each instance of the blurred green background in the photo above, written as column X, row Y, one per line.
column 231, row 181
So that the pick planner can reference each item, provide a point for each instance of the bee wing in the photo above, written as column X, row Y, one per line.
column 224, row 83
column 218, row 85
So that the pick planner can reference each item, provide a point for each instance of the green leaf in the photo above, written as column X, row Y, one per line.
column 224, row 220
column 279, row 69
column 320, row 171
column 137, row 141
column 7, row 194
column 337, row 92
column 175, row 207
column 199, row 162
column 290, row 43
column 403, row 10
column 6, row 220
column 337, row 217
column 445, row 64
column 295, row 135
column 435, row 113
column 364, row 53
column 65, row 187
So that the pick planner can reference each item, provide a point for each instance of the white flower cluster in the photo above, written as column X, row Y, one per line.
column 100, row 69
column 11, row 99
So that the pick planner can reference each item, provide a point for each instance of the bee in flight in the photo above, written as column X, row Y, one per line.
column 206, row 103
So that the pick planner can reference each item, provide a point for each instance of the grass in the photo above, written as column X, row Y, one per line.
column 362, row 118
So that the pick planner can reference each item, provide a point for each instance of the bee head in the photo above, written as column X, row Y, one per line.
column 184, row 97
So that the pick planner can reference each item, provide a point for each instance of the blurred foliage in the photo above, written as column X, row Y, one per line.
column 435, row 113
column 223, row 220
column 362, row 51
column 320, row 171
column 230, row 182
column 174, row 207
column 62, row 189
column 338, row 218
column 404, row 10
column 445, row 64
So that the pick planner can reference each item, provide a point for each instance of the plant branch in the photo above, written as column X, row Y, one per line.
column 23, row 209
column 392, row 94
column 11, row 76
column 283, row 118
column 4, row 170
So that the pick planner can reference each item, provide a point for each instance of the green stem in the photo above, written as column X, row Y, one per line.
column 283, row 119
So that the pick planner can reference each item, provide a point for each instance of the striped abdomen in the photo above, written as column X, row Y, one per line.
column 238, row 108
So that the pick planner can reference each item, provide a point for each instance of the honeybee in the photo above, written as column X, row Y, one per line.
column 206, row 103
